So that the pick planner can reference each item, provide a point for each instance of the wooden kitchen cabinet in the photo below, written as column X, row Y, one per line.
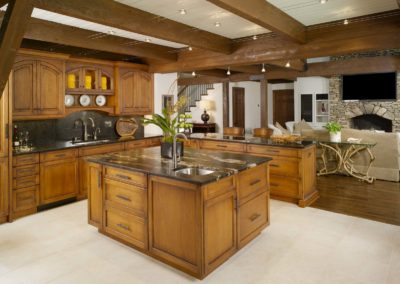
column 4, row 123
column 134, row 92
column 3, row 189
column 38, row 88
column 58, row 176
column 95, row 192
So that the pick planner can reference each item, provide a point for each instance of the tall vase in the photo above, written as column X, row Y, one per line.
column 166, row 149
column 335, row 136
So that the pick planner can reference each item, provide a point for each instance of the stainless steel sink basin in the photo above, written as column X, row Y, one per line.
column 194, row 171
column 91, row 142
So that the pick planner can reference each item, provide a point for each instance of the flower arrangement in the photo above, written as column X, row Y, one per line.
column 333, row 127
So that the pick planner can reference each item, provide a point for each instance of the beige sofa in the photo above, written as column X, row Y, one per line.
column 386, row 165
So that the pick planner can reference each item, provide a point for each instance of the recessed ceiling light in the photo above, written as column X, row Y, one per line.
column 147, row 39
column 110, row 32
column 345, row 22
column 255, row 37
column 194, row 73
column 287, row 65
column 229, row 71
column 217, row 24
column 263, row 68
column 323, row 1
column 182, row 11
column 190, row 48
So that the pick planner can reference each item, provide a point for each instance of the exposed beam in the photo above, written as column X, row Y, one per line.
column 366, row 35
column 251, row 69
column 264, row 103
column 213, row 73
column 266, row 15
column 114, row 14
column 214, row 80
column 295, row 64
column 67, row 35
column 12, row 31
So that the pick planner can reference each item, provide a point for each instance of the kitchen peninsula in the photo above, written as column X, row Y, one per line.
column 193, row 222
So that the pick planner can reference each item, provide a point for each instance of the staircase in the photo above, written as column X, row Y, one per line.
column 193, row 94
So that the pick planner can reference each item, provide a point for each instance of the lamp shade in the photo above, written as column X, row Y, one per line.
column 207, row 104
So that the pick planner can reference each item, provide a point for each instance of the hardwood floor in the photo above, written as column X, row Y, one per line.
column 379, row 201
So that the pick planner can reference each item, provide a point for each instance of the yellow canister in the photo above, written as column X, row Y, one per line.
column 88, row 82
column 71, row 81
column 103, row 82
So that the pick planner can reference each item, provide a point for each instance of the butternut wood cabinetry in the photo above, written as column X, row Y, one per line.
column 95, row 194
column 222, row 146
column 4, row 161
column 3, row 189
column 58, row 176
column 38, row 88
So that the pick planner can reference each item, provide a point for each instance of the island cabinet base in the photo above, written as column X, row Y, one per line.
column 194, row 228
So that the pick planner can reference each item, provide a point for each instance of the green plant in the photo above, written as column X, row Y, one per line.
column 168, row 121
column 333, row 127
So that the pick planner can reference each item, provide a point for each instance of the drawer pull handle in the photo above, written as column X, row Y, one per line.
column 273, row 184
column 255, row 182
column 123, row 197
column 274, row 165
column 222, row 146
column 272, row 151
column 254, row 217
column 123, row 176
column 123, row 226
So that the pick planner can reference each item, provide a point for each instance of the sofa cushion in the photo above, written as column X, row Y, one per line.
column 281, row 128
column 302, row 125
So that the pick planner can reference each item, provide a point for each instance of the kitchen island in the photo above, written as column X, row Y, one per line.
column 193, row 222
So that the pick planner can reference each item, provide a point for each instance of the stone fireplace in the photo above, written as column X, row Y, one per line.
column 384, row 115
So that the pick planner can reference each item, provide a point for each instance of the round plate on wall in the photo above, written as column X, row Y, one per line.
column 84, row 100
column 100, row 100
column 69, row 100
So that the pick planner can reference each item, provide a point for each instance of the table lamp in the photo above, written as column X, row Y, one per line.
column 206, row 105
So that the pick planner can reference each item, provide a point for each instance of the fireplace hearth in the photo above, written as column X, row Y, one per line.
column 371, row 122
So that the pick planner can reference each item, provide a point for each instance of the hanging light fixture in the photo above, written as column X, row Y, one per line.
column 323, row 1
column 287, row 65
column 345, row 22
column 229, row 71
column 217, row 24
column 194, row 73
column 182, row 11
column 263, row 68
column 190, row 48
column 255, row 37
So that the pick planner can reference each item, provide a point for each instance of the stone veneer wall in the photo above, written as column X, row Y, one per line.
column 342, row 112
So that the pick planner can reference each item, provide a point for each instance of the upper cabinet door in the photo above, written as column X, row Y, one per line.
column 126, row 91
column 143, row 95
column 4, row 122
column 24, row 88
column 50, row 87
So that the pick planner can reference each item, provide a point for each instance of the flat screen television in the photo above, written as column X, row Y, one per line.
column 379, row 86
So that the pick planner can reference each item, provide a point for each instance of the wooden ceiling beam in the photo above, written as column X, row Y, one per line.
column 368, row 35
column 240, row 77
column 213, row 73
column 294, row 64
column 250, row 69
column 12, row 30
column 114, row 14
column 265, row 15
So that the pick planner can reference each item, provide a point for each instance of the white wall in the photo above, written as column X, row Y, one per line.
column 163, row 83
column 271, row 88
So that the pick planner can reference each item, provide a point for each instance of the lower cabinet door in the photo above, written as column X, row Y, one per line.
column 25, row 199
column 94, row 181
column 58, row 180
column 3, row 188
column 253, row 217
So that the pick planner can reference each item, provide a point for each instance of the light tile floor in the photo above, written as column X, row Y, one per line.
column 300, row 246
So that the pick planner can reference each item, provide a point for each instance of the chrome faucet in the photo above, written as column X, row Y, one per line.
column 174, row 158
column 84, row 125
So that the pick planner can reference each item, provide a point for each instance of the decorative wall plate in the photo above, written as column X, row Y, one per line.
column 100, row 100
column 126, row 126
column 84, row 100
column 69, row 100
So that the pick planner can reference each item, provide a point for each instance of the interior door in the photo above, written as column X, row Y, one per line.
column 238, row 105
column 283, row 106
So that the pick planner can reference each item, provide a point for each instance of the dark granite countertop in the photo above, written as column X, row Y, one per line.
column 60, row 145
column 149, row 161
column 249, row 139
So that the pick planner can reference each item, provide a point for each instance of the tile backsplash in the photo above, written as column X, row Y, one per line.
column 64, row 129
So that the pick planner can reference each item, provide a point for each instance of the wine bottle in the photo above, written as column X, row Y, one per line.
column 16, row 137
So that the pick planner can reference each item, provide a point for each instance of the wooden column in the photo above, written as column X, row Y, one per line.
column 12, row 31
column 264, row 103
column 225, row 104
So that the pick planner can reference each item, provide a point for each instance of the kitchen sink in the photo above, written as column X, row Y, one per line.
column 91, row 142
column 194, row 171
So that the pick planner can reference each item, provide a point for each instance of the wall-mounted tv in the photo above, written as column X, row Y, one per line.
column 379, row 86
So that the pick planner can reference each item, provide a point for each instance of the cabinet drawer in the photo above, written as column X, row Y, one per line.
column 218, row 188
column 283, row 186
column 130, row 196
column 222, row 146
column 191, row 143
column 25, row 160
column 96, row 150
column 153, row 142
column 136, row 144
column 252, row 180
column 126, row 226
column 136, row 178
column 253, row 216
column 25, row 181
column 58, row 155
column 271, row 151
column 28, row 170
column 25, row 198
column 284, row 166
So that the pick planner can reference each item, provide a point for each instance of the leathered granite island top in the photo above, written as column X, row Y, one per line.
column 149, row 161
column 193, row 223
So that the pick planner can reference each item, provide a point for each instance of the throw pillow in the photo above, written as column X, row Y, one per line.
column 302, row 125
column 280, row 127
column 276, row 130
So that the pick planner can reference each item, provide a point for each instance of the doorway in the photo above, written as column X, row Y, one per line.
column 238, row 107
column 283, row 106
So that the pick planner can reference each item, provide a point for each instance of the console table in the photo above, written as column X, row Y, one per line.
column 203, row 127
column 344, row 152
